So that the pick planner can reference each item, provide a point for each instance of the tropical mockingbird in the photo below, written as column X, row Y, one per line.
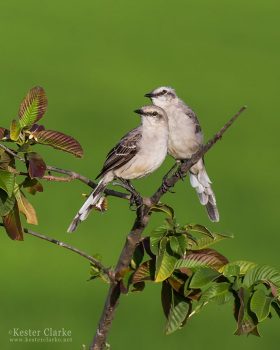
column 185, row 139
column 139, row 153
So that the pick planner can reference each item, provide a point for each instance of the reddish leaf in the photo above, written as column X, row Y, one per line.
column 33, row 107
column 145, row 272
column 36, row 128
column 36, row 165
column 202, row 257
column 245, row 323
column 166, row 298
column 12, row 224
column 4, row 133
column 176, row 282
column 59, row 141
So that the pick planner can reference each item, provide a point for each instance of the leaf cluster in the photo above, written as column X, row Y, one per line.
column 192, row 275
column 24, row 133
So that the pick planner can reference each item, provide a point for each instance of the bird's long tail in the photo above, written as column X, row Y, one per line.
column 202, row 184
column 91, row 201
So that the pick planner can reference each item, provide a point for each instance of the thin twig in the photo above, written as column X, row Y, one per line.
column 90, row 258
column 11, row 152
column 87, row 181
column 133, row 238
column 72, row 176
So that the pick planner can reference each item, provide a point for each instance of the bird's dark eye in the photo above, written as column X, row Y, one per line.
column 154, row 114
column 164, row 91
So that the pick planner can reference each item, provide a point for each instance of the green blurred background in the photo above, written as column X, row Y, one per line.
column 96, row 59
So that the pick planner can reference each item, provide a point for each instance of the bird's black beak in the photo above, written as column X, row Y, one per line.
column 138, row 111
column 149, row 94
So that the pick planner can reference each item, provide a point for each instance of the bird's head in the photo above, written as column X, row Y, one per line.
column 162, row 96
column 153, row 114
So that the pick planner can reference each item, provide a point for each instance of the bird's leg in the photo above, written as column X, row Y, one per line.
column 171, row 170
column 164, row 182
column 135, row 196
column 179, row 172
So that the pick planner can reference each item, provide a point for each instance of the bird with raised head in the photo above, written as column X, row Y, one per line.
column 185, row 139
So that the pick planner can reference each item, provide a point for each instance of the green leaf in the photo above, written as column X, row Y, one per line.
column 177, row 314
column 182, row 240
column 6, row 160
column 155, row 237
column 262, row 273
column 200, row 258
column 163, row 208
column 276, row 308
column 59, row 141
column 243, row 266
column 203, row 276
column 217, row 292
column 7, row 182
column 230, row 270
column 33, row 107
column 260, row 304
column 165, row 262
column 178, row 244
column 12, row 224
column 160, row 231
column 200, row 229
column 205, row 242
column 6, row 203
column 246, row 324
column 14, row 130
column 174, row 245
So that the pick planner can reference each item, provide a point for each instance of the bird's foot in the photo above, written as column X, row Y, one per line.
column 135, row 197
column 179, row 172
column 171, row 171
column 166, row 187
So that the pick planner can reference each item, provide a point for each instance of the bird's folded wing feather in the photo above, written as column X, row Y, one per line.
column 191, row 114
column 123, row 151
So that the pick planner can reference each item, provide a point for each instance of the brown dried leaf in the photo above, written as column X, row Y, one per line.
column 26, row 208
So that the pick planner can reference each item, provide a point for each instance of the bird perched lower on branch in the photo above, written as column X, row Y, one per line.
column 139, row 153
column 185, row 139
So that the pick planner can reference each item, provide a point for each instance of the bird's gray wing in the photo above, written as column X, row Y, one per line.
column 123, row 151
column 191, row 114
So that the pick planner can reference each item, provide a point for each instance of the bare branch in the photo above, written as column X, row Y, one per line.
column 133, row 238
column 94, row 261
column 72, row 175
column 75, row 176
